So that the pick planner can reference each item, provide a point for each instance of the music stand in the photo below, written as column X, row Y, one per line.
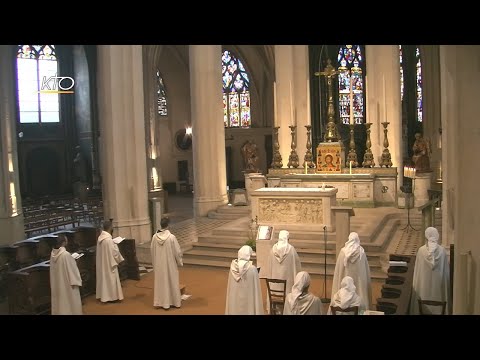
column 325, row 300
column 409, row 191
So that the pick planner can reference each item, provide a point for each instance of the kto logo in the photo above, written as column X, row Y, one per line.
column 57, row 85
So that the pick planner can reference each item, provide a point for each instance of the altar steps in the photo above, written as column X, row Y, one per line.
column 226, row 212
column 313, row 260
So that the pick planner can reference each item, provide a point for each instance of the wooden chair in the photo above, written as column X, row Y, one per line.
column 421, row 302
column 336, row 309
column 276, row 297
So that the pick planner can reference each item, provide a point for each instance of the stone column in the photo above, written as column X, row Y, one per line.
column 431, row 103
column 301, row 98
column 384, row 102
column 209, row 163
column 460, row 75
column 122, row 132
column 284, row 78
column 11, row 214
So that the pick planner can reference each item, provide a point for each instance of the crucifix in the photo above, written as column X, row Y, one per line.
column 331, row 134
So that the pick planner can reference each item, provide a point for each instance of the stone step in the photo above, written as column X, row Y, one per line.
column 225, row 209
column 237, row 241
column 310, row 268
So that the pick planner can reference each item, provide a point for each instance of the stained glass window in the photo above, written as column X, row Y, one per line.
column 351, row 84
column 236, row 94
column 401, row 71
column 161, row 96
column 36, row 64
column 419, row 86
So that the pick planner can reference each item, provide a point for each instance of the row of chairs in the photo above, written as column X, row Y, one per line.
column 277, row 300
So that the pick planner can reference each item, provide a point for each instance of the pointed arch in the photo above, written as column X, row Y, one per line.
column 236, row 92
column 35, row 65
column 162, row 108
column 351, row 67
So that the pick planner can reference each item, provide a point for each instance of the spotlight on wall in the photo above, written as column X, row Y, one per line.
column 188, row 130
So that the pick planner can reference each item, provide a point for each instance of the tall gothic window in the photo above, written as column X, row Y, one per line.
column 401, row 71
column 351, row 84
column 161, row 96
column 38, row 98
column 419, row 86
column 236, row 94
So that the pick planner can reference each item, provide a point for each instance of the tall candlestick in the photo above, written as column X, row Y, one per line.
column 351, row 100
column 384, row 101
column 308, row 102
column 275, row 119
column 350, row 168
column 306, row 167
column 291, row 104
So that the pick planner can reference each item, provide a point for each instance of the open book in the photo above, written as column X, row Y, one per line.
column 118, row 240
column 77, row 256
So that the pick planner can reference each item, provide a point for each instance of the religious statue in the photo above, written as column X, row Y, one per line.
column 421, row 153
column 250, row 156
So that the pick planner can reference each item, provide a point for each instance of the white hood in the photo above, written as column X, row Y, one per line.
column 346, row 297
column 55, row 255
column 104, row 235
column 161, row 235
column 352, row 249
column 432, row 245
column 281, row 247
column 302, row 281
column 240, row 266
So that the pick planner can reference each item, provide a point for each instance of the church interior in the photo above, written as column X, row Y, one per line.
column 227, row 140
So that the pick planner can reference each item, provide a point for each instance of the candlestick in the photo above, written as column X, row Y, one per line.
column 293, row 158
column 386, row 157
column 277, row 158
column 308, row 154
column 306, row 168
column 350, row 167
column 351, row 100
column 308, row 101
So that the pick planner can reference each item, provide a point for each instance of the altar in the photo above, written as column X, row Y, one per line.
column 294, row 208
column 363, row 187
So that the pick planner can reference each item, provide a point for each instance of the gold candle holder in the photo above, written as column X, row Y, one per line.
column 368, row 160
column 386, row 157
column 277, row 157
column 352, row 154
column 293, row 158
column 308, row 159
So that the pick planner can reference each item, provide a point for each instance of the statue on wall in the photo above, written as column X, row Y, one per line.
column 250, row 156
column 421, row 153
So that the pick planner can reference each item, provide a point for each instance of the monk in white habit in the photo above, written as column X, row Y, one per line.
column 65, row 281
column 346, row 297
column 352, row 261
column 244, row 294
column 283, row 263
column 431, row 275
column 166, row 257
column 300, row 301
column 109, row 287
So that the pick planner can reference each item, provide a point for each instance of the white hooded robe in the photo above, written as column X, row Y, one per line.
column 283, row 263
column 64, row 283
column 431, row 275
column 299, row 301
column 346, row 297
column 166, row 257
column 109, row 287
column 352, row 261
column 244, row 294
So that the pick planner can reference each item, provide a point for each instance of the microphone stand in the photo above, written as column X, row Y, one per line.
column 325, row 300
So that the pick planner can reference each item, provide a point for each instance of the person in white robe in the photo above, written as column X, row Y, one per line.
column 431, row 275
column 109, row 287
column 352, row 261
column 244, row 294
column 283, row 263
column 300, row 301
column 166, row 257
column 65, row 281
column 346, row 297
